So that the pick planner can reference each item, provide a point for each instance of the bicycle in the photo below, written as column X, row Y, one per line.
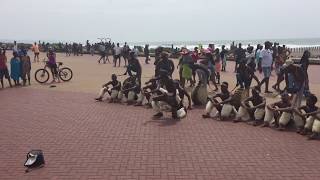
column 64, row 73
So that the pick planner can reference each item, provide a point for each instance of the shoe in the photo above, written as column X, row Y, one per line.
column 265, row 125
column 98, row 99
column 206, row 116
column 313, row 136
column 158, row 115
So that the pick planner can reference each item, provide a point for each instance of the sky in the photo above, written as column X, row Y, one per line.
column 158, row 20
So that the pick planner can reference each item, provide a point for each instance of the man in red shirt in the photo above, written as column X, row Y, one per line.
column 3, row 67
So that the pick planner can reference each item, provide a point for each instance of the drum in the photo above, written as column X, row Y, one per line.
column 199, row 95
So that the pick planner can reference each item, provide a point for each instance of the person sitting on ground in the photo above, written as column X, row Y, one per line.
column 256, row 111
column 309, row 113
column 3, row 68
column 113, row 92
column 131, row 90
column 224, row 108
column 146, row 92
column 278, row 113
column 168, row 95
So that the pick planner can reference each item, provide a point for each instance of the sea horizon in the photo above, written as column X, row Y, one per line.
column 289, row 42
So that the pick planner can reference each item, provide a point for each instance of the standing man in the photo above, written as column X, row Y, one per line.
column 117, row 55
column 15, row 46
column 146, row 53
column 240, row 54
column 223, row 56
column 266, row 63
column 36, row 51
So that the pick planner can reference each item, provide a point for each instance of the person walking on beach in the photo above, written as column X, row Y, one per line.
column 103, row 55
column 217, row 62
column 15, row 46
column 266, row 63
column 15, row 64
column 305, row 65
column 125, row 53
column 146, row 53
column 223, row 56
column 117, row 55
column 257, row 55
column 4, row 73
column 240, row 54
column 36, row 51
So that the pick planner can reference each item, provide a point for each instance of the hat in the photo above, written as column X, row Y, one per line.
column 184, row 51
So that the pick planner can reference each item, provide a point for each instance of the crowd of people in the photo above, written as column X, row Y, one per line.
column 163, row 93
column 20, row 67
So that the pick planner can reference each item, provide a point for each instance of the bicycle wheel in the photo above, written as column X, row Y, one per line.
column 41, row 76
column 65, row 74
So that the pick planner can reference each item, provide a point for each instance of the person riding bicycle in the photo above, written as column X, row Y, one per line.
column 53, row 65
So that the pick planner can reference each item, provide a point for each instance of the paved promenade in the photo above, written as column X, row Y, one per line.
column 84, row 139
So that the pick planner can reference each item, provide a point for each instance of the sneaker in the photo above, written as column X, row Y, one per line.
column 98, row 99
column 206, row 116
column 158, row 115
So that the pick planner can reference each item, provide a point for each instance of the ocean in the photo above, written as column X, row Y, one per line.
column 291, row 43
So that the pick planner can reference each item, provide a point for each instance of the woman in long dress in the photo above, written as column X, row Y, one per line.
column 15, row 68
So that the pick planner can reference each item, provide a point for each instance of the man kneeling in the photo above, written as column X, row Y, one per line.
column 168, row 96
column 113, row 92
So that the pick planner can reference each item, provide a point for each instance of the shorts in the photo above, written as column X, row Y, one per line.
column 36, row 53
column 266, row 71
column 4, row 73
column 218, row 67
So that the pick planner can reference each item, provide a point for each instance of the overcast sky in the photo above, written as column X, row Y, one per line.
column 158, row 20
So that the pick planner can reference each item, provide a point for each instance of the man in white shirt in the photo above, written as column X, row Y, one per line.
column 117, row 54
column 266, row 63
column 15, row 46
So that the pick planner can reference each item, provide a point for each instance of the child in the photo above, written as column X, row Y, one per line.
column 15, row 68
column 113, row 92
column 3, row 68
column 280, row 111
column 224, row 108
column 151, row 85
column 255, row 112
column 312, row 120
column 25, row 67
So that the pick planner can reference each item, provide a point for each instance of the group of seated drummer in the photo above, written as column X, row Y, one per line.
column 254, row 111
column 162, row 93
